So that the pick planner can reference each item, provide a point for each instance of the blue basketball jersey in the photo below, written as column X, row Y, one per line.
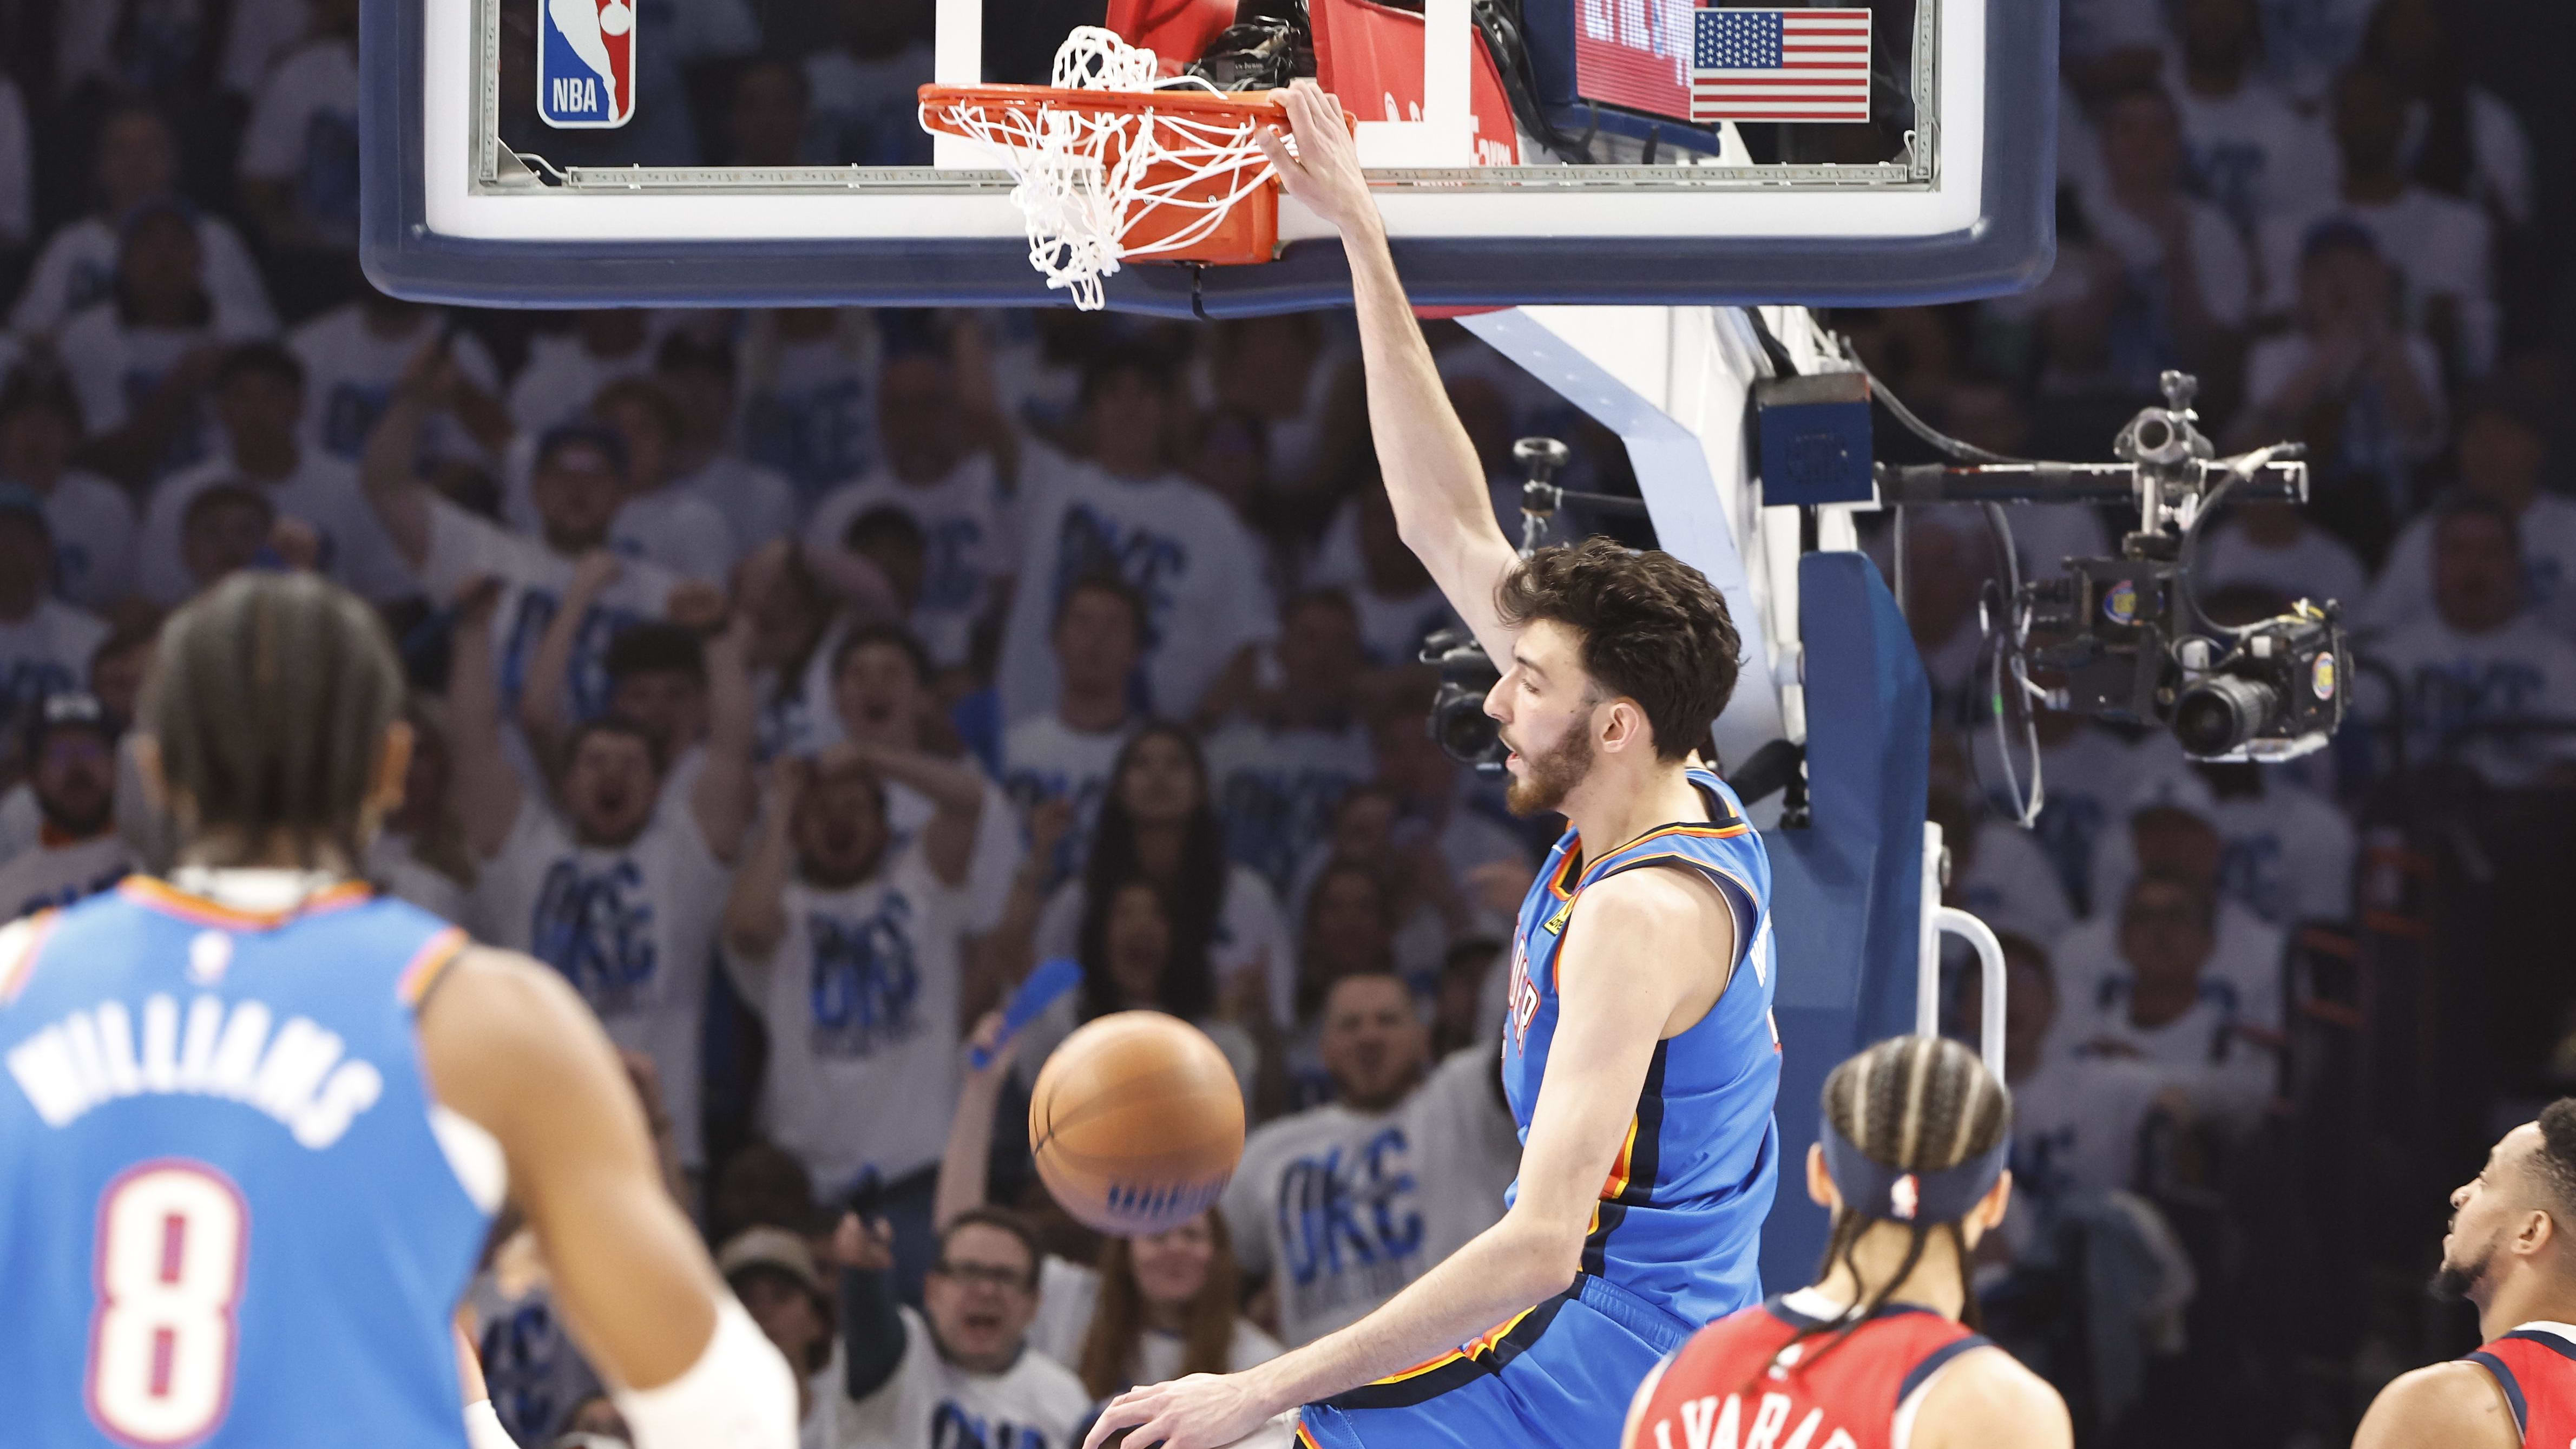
column 226, row 1217
column 1680, row 1218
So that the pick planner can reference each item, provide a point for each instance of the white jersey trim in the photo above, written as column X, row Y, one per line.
column 474, row 1155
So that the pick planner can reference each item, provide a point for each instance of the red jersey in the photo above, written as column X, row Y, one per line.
column 1722, row 1389
column 2535, row 1366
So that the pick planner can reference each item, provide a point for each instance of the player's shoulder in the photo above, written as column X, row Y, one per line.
column 21, row 942
column 2458, row 1402
column 1986, row 1397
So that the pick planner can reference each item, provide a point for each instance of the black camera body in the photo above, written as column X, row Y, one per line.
column 1459, row 724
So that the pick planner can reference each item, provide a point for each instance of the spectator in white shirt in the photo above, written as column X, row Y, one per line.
column 699, row 376
column 601, row 877
column 2503, row 445
column 1361, row 553
column 2272, row 544
column 2441, row 247
column 2157, row 1004
column 1068, row 752
column 1188, row 553
column 810, row 400
column 355, row 353
column 1328, row 1204
column 258, row 397
column 45, row 644
column 2191, row 281
column 2252, row 151
column 1150, row 1308
column 141, row 359
column 2461, row 139
column 959, row 1370
column 71, row 763
column 299, row 156
column 92, row 524
column 2478, row 661
column 136, row 161
column 945, row 463
column 2358, row 385
column 659, row 520
column 1279, row 771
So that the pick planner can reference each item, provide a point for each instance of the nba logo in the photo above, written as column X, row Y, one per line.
column 1903, row 1197
column 585, row 63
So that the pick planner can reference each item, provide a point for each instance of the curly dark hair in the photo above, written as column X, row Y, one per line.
column 2555, row 1164
column 1654, row 630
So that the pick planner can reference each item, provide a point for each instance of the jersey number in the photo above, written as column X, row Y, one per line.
column 173, row 1236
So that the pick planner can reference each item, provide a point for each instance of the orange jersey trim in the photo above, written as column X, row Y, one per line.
column 14, row 975
column 431, row 962
column 1621, row 1166
column 169, row 900
column 1476, row 1347
column 1306, row 1437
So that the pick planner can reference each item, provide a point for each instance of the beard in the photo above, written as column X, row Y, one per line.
column 1551, row 777
column 2454, row 1282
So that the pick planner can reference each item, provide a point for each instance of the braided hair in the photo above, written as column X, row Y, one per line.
column 1917, row 1104
column 270, row 701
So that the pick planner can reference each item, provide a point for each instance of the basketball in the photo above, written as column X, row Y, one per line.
column 1136, row 1123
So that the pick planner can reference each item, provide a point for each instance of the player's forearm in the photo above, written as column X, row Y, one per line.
column 1511, row 1266
column 1432, row 474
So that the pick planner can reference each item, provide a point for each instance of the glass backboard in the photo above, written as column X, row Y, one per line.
column 768, row 152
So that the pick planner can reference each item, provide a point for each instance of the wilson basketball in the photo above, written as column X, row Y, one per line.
column 1136, row 1123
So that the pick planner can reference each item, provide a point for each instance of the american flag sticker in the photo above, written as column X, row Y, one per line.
column 585, row 63
column 1780, row 65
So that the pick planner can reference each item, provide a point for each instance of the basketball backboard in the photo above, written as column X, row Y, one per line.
column 754, row 152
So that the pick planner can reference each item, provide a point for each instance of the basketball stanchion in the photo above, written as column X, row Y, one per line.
column 1116, row 162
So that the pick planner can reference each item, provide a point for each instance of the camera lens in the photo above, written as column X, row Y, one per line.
column 1465, row 732
column 2219, row 715
column 2153, row 434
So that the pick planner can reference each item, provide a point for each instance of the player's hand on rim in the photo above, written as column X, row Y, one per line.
column 1324, row 170
column 1200, row 1411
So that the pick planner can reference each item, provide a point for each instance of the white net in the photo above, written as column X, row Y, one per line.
column 1086, row 177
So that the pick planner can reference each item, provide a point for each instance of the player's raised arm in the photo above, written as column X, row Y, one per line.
column 508, row 1046
column 1432, row 473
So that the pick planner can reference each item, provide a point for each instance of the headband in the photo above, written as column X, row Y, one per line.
column 1875, row 1190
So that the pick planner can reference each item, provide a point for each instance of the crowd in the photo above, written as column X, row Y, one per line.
column 795, row 682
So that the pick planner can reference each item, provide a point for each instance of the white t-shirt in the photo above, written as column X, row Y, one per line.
column 1276, row 790
column 2439, row 245
column 2243, row 969
column 680, row 531
column 1068, row 1294
column 2259, row 869
column 2370, row 440
column 633, row 929
column 1249, row 932
column 2089, row 777
column 260, row 32
column 350, row 372
column 1466, row 1149
column 561, row 376
column 46, row 651
column 2076, row 1128
column 93, row 528
column 811, row 411
column 2225, row 1075
column 860, row 998
column 2520, row 671
column 1392, row 626
column 2547, row 529
column 303, row 129
column 1043, row 758
column 45, row 876
column 757, row 501
column 1174, row 542
column 2316, row 565
column 114, row 368
column 1329, row 1203
column 968, row 543
column 2011, row 884
column 322, row 491
column 533, row 579
column 77, row 269
column 929, row 1403
column 2252, row 153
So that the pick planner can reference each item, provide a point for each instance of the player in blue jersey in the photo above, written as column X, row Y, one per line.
column 256, row 1119
column 1639, row 1058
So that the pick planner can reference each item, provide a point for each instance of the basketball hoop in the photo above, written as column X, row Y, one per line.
column 1116, row 161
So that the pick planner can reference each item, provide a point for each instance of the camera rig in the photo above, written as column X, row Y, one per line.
column 2124, row 638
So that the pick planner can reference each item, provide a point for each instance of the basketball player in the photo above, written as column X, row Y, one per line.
column 2511, row 1251
column 1874, row 1355
column 257, row 1119
column 1638, row 1060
